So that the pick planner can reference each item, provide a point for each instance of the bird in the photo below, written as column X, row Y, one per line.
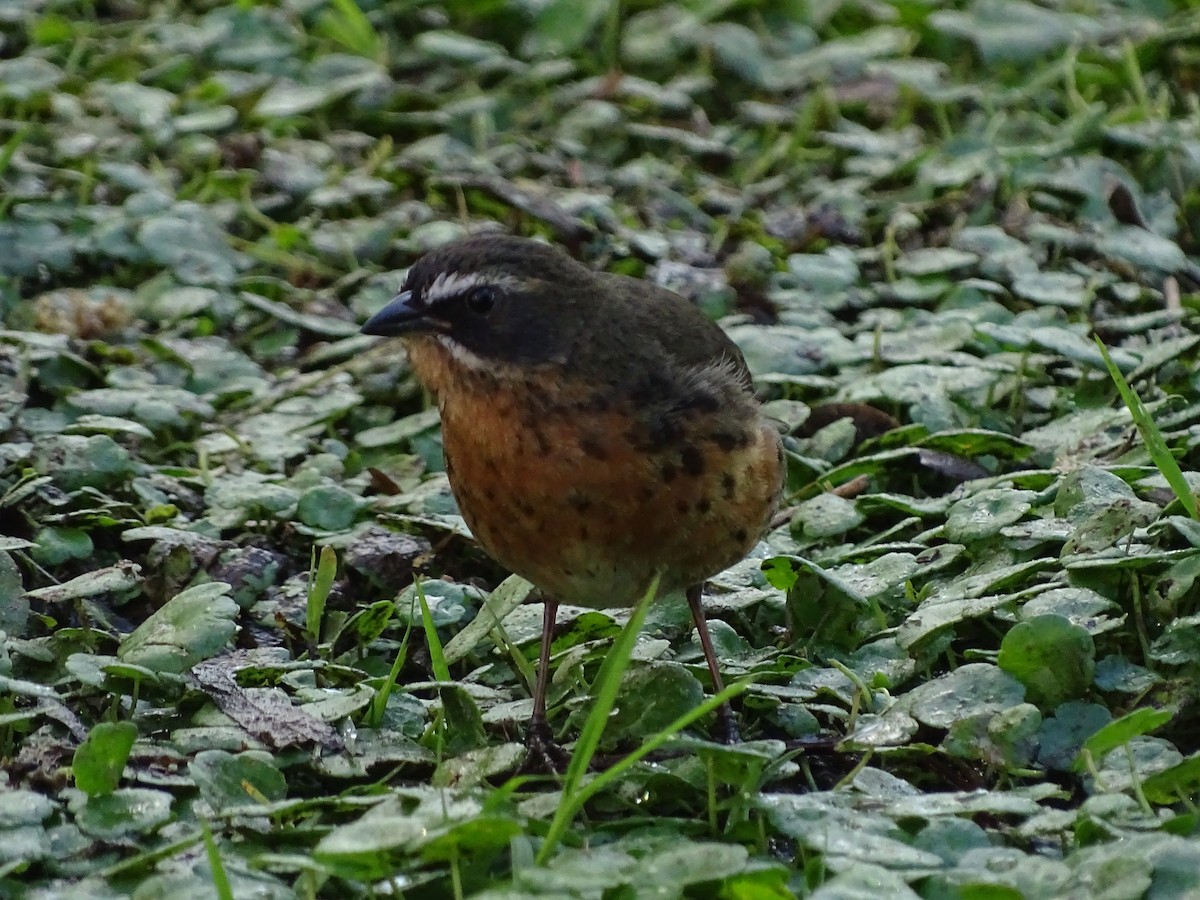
column 601, row 434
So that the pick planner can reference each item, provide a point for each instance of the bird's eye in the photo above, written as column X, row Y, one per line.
column 481, row 299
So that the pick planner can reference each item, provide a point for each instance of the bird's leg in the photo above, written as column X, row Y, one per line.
column 727, row 729
column 549, row 620
column 542, row 752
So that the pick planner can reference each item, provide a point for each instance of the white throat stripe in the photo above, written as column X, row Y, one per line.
column 460, row 353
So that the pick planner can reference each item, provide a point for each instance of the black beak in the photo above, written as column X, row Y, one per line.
column 402, row 315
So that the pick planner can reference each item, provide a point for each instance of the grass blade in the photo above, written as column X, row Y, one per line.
column 604, row 691
column 318, row 593
column 219, row 877
column 574, row 801
column 1160, row 453
column 379, row 702
column 437, row 657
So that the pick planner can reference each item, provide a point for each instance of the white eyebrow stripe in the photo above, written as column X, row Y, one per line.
column 451, row 284
column 454, row 284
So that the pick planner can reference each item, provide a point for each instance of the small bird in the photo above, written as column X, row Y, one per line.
column 599, row 431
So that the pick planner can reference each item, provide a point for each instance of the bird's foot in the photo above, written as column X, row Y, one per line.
column 542, row 755
column 726, row 730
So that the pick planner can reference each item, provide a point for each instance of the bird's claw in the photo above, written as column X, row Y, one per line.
column 542, row 754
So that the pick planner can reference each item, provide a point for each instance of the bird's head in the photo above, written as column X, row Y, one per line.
column 492, row 299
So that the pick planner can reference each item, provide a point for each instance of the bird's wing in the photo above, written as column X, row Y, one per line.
column 691, row 340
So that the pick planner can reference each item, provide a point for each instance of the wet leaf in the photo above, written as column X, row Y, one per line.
column 123, row 813
column 192, row 626
column 1123, row 730
column 1014, row 30
column 970, row 690
column 227, row 781
column 1051, row 656
column 100, row 760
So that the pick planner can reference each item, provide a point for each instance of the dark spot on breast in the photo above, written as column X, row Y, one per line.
column 669, row 471
column 579, row 502
column 693, row 460
column 592, row 447
column 728, row 441
column 740, row 535
column 645, row 492
column 490, row 494
column 524, row 507
column 705, row 505
column 585, row 533
column 681, row 507
column 650, row 388
column 655, row 435
column 728, row 485
column 490, row 464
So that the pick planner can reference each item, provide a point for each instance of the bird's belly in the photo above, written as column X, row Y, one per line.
column 570, row 502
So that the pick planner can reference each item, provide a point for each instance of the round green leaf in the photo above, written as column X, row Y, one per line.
column 128, row 811
column 982, row 515
column 1053, row 658
column 328, row 507
column 57, row 545
column 75, row 461
column 192, row 626
column 968, row 691
column 652, row 697
column 100, row 760
column 226, row 780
